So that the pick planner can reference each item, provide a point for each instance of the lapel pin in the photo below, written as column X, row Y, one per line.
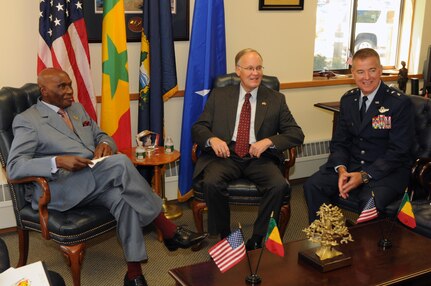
column 75, row 117
column 263, row 103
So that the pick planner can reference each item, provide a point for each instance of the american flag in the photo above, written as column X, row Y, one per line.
column 369, row 212
column 229, row 251
column 63, row 44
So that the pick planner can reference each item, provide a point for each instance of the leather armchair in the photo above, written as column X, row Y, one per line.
column 243, row 191
column 420, row 176
column 70, row 229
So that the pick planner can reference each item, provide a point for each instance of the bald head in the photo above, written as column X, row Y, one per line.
column 47, row 75
column 55, row 87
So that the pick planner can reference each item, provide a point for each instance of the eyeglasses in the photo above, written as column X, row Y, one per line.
column 252, row 69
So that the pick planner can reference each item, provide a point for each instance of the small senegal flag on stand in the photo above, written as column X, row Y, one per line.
column 273, row 241
column 405, row 212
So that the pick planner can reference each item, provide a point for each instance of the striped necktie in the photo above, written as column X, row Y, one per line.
column 66, row 118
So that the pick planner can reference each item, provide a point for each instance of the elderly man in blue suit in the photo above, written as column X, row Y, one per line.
column 56, row 139
column 370, row 149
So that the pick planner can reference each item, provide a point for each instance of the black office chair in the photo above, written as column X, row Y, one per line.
column 243, row 191
column 70, row 229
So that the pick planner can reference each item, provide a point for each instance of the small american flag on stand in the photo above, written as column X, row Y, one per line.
column 369, row 212
column 229, row 251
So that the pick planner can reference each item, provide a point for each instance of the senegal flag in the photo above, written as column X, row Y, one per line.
column 405, row 213
column 273, row 241
column 115, row 117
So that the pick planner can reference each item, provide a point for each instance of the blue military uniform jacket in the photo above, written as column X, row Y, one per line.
column 380, row 143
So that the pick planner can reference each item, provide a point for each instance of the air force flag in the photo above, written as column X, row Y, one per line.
column 207, row 59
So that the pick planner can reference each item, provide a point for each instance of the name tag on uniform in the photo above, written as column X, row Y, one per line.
column 382, row 122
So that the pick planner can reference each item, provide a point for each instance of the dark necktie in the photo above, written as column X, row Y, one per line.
column 363, row 109
column 66, row 118
column 243, row 135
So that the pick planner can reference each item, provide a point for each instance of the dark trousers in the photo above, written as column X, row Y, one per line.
column 263, row 172
column 322, row 187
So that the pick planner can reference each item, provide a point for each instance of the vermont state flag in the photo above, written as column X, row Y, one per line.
column 157, row 71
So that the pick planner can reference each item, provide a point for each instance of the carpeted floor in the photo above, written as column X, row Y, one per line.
column 104, row 263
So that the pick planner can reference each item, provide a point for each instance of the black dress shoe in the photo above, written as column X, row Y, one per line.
column 138, row 281
column 253, row 245
column 184, row 238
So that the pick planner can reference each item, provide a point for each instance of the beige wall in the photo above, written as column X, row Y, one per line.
column 284, row 38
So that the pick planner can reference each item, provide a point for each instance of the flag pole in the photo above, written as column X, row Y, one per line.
column 255, row 278
column 395, row 215
column 384, row 242
column 246, row 252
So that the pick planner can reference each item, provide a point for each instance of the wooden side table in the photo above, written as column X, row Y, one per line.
column 158, row 159
column 333, row 106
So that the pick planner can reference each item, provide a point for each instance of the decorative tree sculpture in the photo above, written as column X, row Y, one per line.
column 329, row 230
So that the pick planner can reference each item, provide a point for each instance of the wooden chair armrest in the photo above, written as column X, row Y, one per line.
column 289, row 162
column 418, row 165
column 424, row 175
column 195, row 149
column 43, row 201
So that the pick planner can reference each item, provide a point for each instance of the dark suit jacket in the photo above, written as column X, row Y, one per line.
column 273, row 120
column 382, row 142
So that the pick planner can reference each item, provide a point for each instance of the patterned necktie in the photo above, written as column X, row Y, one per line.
column 363, row 109
column 243, row 135
column 66, row 118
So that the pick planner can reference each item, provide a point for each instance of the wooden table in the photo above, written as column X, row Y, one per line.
column 333, row 106
column 408, row 262
column 158, row 159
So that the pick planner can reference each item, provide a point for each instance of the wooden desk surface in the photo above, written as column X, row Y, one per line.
column 408, row 261
column 331, row 106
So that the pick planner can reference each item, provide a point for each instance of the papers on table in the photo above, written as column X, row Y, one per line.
column 29, row 275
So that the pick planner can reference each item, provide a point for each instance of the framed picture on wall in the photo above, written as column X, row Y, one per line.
column 281, row 4
column 93, row 14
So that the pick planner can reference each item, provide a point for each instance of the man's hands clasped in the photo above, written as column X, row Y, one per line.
column 348, row 181
column 221, row 149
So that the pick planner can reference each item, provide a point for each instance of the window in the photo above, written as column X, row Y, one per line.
column 344, row 26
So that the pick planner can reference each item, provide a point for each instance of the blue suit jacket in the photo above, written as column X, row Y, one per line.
column 380, row 143
column 39, row 135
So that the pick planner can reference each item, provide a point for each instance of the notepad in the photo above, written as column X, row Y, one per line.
column 32, row 275
column 95, row 161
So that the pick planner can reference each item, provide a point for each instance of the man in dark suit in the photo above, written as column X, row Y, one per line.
column 368, row 154
column 57, row 139
column 229, row 152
